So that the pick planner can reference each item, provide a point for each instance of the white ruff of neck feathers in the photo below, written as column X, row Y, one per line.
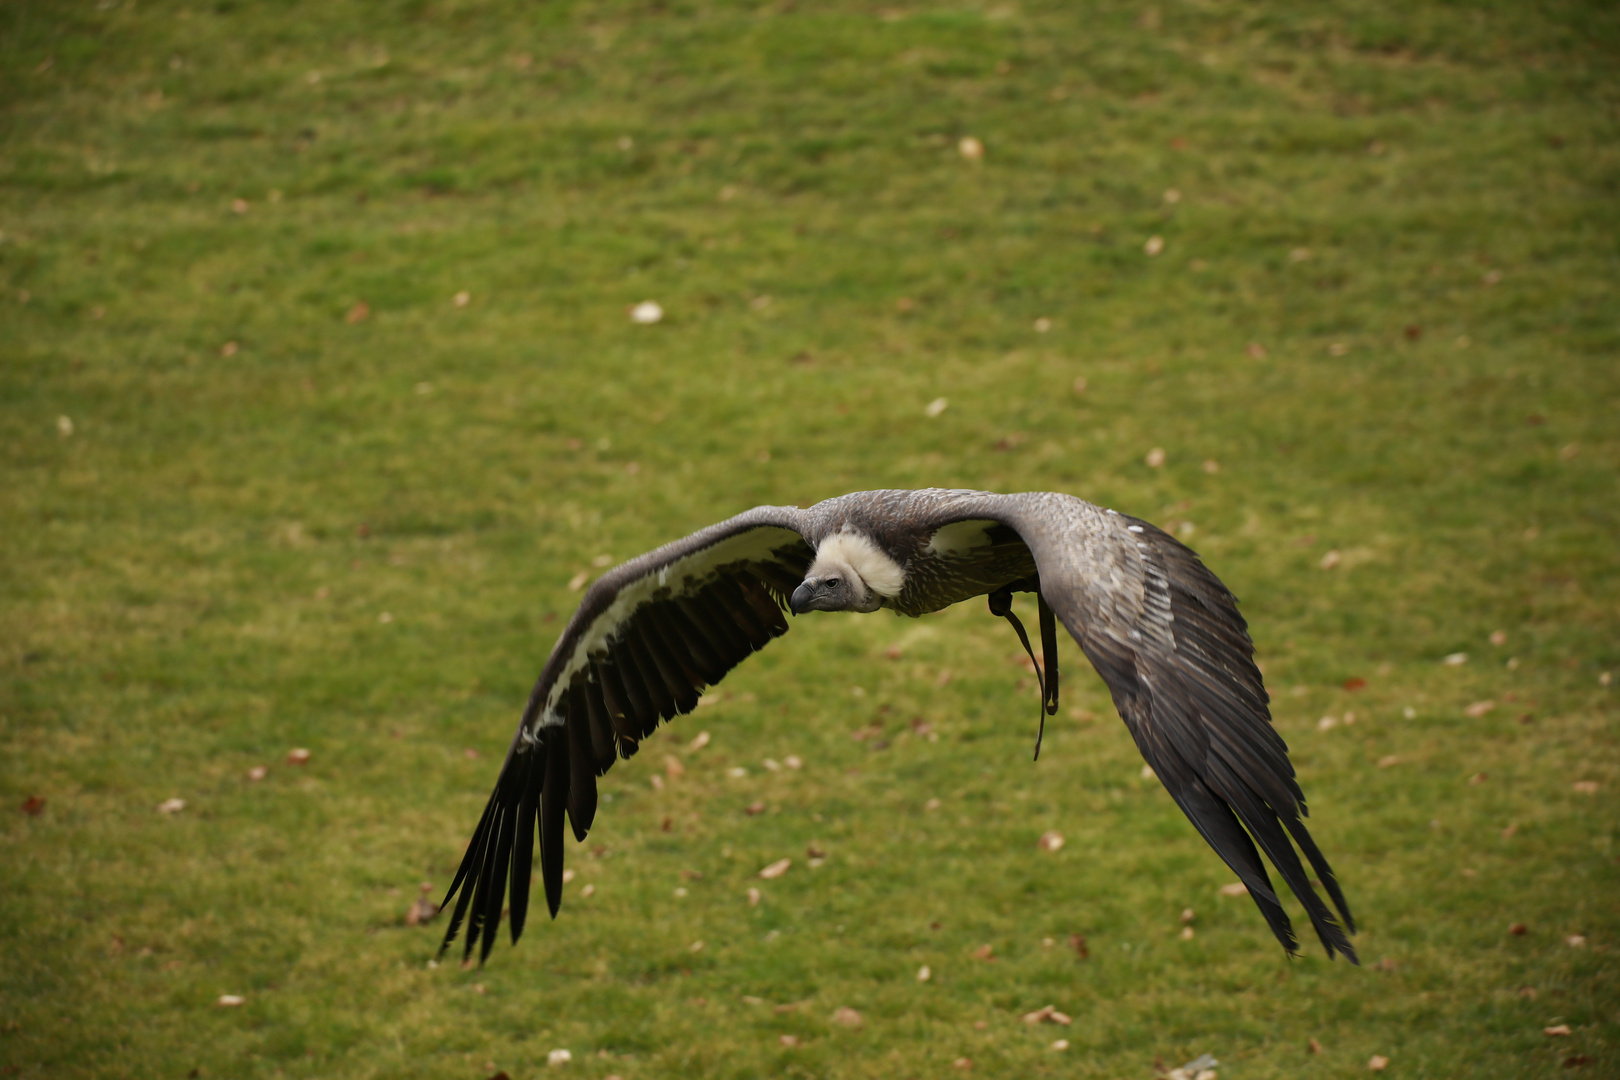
column 857, row 551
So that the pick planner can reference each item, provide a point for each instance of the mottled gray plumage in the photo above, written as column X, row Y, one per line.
column 1162, row 630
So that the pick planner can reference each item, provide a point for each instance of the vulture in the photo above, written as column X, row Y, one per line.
column 652, row 633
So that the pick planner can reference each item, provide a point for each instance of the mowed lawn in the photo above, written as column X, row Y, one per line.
column 318, row 388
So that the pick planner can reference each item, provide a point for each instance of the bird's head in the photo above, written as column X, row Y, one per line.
column 833, row 585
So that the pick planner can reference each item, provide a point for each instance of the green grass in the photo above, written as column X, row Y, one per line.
column 1385, row 305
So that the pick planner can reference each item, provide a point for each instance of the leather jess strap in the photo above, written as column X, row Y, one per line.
column 1046, row 669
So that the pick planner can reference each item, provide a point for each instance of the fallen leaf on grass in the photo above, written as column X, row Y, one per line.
column 753, row 897
column 1236, row 888
column 970, row 148
column 588, row 891
column 646, row 313
column 171, row 806
column 1386, row 964
column 229, row 1001
column 1477, row 779
column 673, row 767
column 1378, row 1063
column 1557, row 1031
column 1456, row 659
column 1387, row 760
column 1330, row 560
column 358, row 314
column 1077, row 942
column 1575, row 941
column 1575, row 1061
column 699, row 742
column 1043, row 324
column 462, row 298
column 257, row 773
column 788, row 1040
column 1154, row 245
column 754, row 808
column 776, row 869
column 1060, row 1044
column 421, row 910
column 963, row 1063
column 1354, row 683
column 1186, row 933
column 577, row 582
column 847, row 1017
column 1586, row 787
column 1051, row 840
column 1047, row 1014
column 1518, row 929
column 1255, row 350
column 1211, row 466
column 298, row 756
column 33, row 805
column 1479, row 709
column 1147, row 772
column 937, row 406
column 1155, row 458
column 559, row 1057
column 695, row 947
column 793, row 761
column 1313, row 1047
column 985, row 952
column 924, row 973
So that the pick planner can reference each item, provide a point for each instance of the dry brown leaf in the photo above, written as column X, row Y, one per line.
column 1187, row 933
column 1527, row 992
column 1586, row 787
column 1479, row 709
column 1211, row 466
column 1255, row 350
column 1236, row 888
column 1456, row 659
column 754, row 808
column 847, row 1017
column 695, row 947
column 937, row 406
column 753, row 897
column 985, row 952
column 298, row 756
column 1043, row 325
column 970, row 148
column 965, row 1064
column 239, row 206
column 788, row 1040
column 588, row 891
column 1354, row 683
column 257, row 773
column 924, row 973
column 1313, row 1047
column 1155, row 458
column 1575, row 941
column 1388, row 760
column 673, row 767
column 1077, row 942
column 358, row 314
column 1498, row 637
column 1330, row 560
column 171, row 806
column 1051, row 840
column 229, row 1001
column 1518, row 929
column 1557, row 1031
column 776, row 869
column 1154, row 245
column 33, row 805
column 1378, row 1063
column 793, row 761
column 462, row 298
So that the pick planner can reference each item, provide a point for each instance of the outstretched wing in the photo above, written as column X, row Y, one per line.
column 1166, row 637
column 647, row 638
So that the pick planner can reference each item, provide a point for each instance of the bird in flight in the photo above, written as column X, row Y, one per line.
column 652, row 633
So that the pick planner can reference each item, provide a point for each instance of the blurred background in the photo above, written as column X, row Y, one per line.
column 341, row 344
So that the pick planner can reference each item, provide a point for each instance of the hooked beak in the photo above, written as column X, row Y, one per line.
column 799, row 603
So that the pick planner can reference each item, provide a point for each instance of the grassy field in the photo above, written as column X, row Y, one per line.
column 317, row 387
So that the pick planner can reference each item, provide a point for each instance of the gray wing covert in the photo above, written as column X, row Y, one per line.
column 647, row 638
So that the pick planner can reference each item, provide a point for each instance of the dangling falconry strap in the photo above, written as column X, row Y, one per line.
column 1001, row 604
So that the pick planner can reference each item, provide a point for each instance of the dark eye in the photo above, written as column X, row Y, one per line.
column 830, row 583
